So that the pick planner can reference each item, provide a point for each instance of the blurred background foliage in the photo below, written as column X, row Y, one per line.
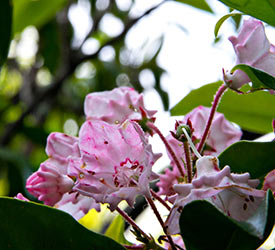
column 50, row 69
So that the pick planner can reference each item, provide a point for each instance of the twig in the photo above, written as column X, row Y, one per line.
column 156, row 212
column 132, row 223
column 53, row 89
column 157, row 197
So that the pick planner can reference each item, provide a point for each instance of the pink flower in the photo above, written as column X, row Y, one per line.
column 167, row 181
column 48, row 184
column 234, row 194
column 51, row 181
column 222, row 134
column 115, row 106
column 52, row 184
column 116, row 162
column 252, row 48
column 269, row 182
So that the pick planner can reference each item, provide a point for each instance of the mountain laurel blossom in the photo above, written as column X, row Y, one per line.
column 116, row 162
column 233, row 194
column 222, row 134
column 51, row 181
column 252, row 48
column 116, row 106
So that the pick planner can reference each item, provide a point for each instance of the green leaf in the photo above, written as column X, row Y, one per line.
column 258, row 78
column 30, row 226
column 199, row 4
column 251, row 111
column 116, row 230
column 263, row 10
column 221, row 21
column 205, row 227
column 251, row 156
column 35, row 13
column 5, row 29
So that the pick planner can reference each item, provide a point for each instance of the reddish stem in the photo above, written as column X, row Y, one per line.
column 188, row 161
column 157, row 197
column 215, row 104
column 168, row 147
column 154, row 208
column 134, row 246
column 132, row 222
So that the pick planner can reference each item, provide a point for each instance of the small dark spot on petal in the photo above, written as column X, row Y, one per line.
column 179, row 209
column 106, row 142
column 246, row 199
column 251, row 198
column 244, row 206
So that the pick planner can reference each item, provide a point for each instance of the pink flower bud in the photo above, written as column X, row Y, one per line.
column 48, row 184
column 233, row 194
column 116, row 162
column 115, row 106
column 21, row 197
column 252, row 48
column 269, row 182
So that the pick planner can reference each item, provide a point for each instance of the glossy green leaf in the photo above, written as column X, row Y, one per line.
column 35, row 13
column 5, row 29
column 253, row 157
column 116, row 230
column 31, row 226
column 251, row 111
column 199, row 4
column 263, row 9
column 221, row 21
column 258, row 78
column 205, row 227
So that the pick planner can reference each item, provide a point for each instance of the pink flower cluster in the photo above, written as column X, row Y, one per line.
column 222, row 134
column 110, row 161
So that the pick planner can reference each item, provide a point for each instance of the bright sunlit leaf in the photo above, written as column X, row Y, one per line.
column 251, row 111
column 254, row 157
column 221, row 21
column 35, row 13
column 263, row 10
column 259, row 78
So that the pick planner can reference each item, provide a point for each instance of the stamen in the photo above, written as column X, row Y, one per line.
column 191, row 143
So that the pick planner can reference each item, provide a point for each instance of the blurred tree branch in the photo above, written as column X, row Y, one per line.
column 74, row 58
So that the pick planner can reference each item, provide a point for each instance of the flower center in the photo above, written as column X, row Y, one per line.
column 127, row 173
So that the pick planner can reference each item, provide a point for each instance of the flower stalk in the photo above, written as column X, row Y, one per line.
column 188, row 161
column 132, row 222
column 167, row 145
column 156, row 212
column 214, row 107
